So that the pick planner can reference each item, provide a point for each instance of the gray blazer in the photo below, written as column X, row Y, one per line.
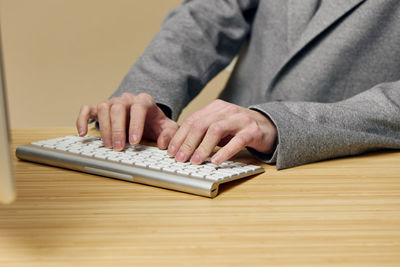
column 326, row 72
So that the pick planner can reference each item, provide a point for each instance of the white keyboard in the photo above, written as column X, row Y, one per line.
column 140, row 163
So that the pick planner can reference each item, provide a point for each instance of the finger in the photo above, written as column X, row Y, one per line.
column 178, row 139
column 82, row 120
column 196, row 122
column 138, row 115
column 192, row 141
column 103, row 117
column 145, row 115
column 165, row 137
column 194, row 132
column 237, row 143
column 86, row 113
column 118, row 125
column 217, row 132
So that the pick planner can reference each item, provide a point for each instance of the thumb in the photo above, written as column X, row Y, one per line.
column 166, row 135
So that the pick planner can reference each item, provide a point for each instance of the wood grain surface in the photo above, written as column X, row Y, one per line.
column 343, row 212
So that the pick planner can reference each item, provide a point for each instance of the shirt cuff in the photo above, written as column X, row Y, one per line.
column 266, row 158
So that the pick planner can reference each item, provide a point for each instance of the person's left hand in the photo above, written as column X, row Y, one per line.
column 221, row 123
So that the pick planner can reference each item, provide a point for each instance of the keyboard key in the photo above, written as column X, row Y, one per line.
column 169, row 169
column 183, row 172
column 114, row 158
column 128, row 161
column 87, row 153
column 198, row 175
column 154, row 167
column 141, row 164
column 100, row 156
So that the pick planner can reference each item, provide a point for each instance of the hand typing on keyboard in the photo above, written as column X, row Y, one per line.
column 220, row 123
column 143, row 117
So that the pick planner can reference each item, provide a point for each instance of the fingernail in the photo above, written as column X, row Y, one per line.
column 164, row 143
column 107, row 143
column 196, row 159
column 117, row 144
column 134, row 139
column 181, row 156
column 81, row 131
column 172, row 150
column 167, row 139
column 216, row 159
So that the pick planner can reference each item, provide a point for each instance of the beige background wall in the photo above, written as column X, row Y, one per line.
column 60, row 54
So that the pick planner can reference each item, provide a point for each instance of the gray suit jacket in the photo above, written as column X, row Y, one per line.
column 326, row 72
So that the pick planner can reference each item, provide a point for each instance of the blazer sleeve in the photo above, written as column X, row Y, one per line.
column 196, row 41
column 309, row 132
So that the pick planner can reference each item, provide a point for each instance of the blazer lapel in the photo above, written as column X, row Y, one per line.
column 329, row 12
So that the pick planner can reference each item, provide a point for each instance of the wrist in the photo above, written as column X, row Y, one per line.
column 269, row 130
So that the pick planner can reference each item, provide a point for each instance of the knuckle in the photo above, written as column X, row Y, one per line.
column 244, row 118
column 202, row 151
column 117, row 108
column 254, row 131
column 214, row 103
column 187, row 146
column 244, row 139
column 234, row 108
column 249, row 138
column 252, row 128
column 127, row 96
column 231, row 108
column 165, row 134
column 104, row 128
column 219, row 102
column 144, row 95
column 216, row 129
column 240, row 140
column 199, row 127
column 117, row 131
column 103, row 106
column 171, row 126
column 139, row 106
column 191, row 120
column 146, row 98
column 84, row 108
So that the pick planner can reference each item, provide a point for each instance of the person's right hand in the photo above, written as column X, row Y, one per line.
column 138, row 112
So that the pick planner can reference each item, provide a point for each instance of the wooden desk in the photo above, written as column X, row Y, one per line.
column 339, row 212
